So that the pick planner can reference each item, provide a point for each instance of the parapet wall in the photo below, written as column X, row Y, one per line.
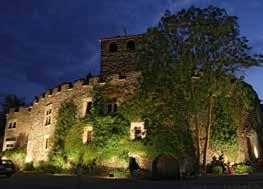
column 31, row 120
column 75, row 86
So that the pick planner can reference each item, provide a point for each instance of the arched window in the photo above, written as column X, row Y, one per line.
column 131, row 46
column 113, row 47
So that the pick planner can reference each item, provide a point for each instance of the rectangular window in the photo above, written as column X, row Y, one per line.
column 11, row 139
column 46, row 142
column 86, row 106
column 12, row 125
column 88, row 109
column 10, row 146
column 137, row 131
column 48, row 115
column 87, row 135
column 111, row 108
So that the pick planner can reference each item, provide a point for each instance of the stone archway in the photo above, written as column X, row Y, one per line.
column 165, row 166
column 253, row 146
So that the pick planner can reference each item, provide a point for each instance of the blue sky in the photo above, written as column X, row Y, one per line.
column 46, row 42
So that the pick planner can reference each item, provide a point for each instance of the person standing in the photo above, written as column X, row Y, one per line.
column 133, row 167
column 79, row 175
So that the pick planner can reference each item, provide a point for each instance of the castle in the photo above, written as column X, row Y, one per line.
column 37, row 122
column 117, row 67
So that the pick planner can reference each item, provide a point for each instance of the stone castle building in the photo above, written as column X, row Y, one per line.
column 37, row 123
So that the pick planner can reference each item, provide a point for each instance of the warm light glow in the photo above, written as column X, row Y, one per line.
column 255, row 151
column 28, row 160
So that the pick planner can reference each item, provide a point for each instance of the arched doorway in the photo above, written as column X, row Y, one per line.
column 165, row 166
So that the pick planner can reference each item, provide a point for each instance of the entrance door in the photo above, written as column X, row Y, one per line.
column 166, row 167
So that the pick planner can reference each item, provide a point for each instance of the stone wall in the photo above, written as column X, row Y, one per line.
column 31, row 120
column 121, row 61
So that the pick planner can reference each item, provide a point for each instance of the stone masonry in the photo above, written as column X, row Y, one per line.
column 118, row 68
column 38, row 121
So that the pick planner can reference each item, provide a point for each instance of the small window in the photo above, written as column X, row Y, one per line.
column 113, row 47
column 12, row 125
column 46, row 143
column 48, row 115
column 131, row 46
column 87, row 135
column 137, row 133
column 11, row 139
column 86, row 106
column 88, row 110
column 9, row 146
column 111, row 108
column 122, row 76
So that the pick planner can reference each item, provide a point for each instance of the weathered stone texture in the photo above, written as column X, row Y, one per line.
column 120, row 76
column 31, row 121
column 122, row 61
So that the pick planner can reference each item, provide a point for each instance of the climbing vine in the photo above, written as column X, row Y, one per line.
column 65, row 121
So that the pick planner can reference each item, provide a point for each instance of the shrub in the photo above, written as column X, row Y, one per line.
column 49, row 168
column 119, row 172
column 95, row 170
column 243, row 168
column 29, row 166
column 17, row 156
column 217, row 170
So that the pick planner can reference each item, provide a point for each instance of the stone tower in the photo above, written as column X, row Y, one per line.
column 118, row 55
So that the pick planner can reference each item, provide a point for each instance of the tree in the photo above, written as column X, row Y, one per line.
column 203, row 42
column 9, row 101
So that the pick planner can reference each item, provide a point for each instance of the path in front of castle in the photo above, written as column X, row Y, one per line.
column 41, row 181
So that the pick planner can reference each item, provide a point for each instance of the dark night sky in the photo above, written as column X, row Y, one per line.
column 46, row 42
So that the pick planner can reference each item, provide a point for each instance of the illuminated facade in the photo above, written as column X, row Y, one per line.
column 118, row 67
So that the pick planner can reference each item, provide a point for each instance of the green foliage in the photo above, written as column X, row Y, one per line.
column 119, row 172
column 133, row 109
column 182, row 46
column 110, row 140
column 198, row 42
column 217, row 170
column 66, row 119
column 29, row 166
column 242, row 168
column 224, row 135
column 16, row 155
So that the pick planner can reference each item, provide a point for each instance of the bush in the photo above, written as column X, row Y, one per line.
column 119, row 172
column 17, row 156
column 29, row 167
column 217, row 170
column 95, row 170
column 243, row 168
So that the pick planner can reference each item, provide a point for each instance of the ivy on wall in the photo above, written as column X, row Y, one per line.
column 66, row 119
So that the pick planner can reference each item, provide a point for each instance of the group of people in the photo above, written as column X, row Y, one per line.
column 226, row 167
